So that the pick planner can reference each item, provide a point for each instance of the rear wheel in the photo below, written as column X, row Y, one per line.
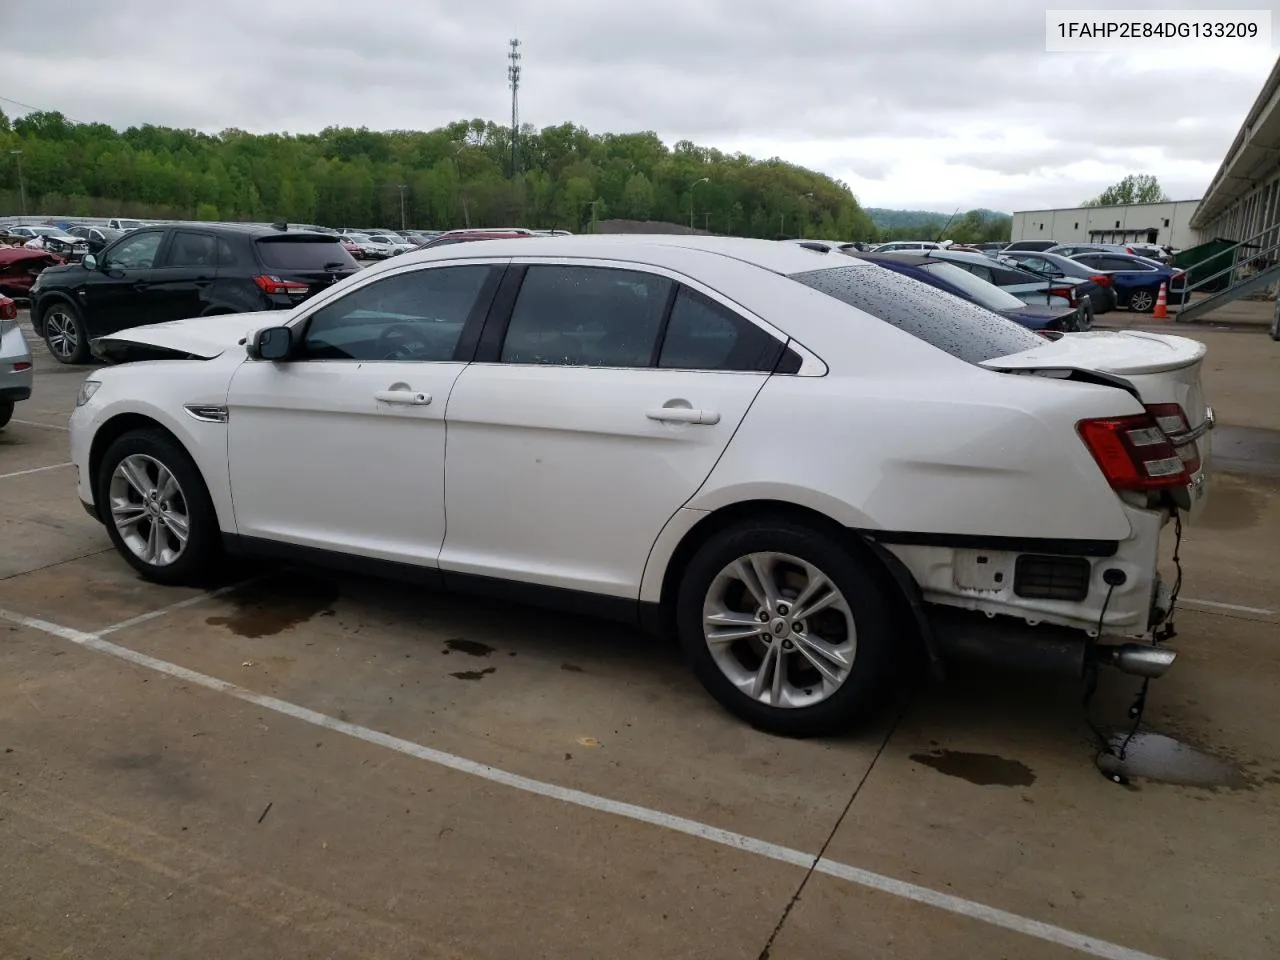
column 1142, row 301
column 157, row 509
column 64, row 333
column 786, row 628
column 6, row 411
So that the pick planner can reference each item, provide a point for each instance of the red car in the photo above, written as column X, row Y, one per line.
column 19, row 268
column 350, row 246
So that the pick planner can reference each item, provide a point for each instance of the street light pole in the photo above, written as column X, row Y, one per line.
column 22, row 185
column 403, row 224
column 801, row 219
column 691, row 193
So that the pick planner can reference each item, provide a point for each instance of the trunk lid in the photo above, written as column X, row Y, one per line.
column 1159, row 369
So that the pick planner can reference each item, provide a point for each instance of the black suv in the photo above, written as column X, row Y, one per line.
column 181, row 270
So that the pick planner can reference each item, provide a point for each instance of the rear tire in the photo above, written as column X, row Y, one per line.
column 1142, row 301
column 64, row 333
column 736, row 618
column 6, row 412
column 157, row 509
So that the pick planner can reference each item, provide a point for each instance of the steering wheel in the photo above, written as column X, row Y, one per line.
column 400, row 341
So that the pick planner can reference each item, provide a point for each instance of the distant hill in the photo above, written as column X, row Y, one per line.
column 886, row 219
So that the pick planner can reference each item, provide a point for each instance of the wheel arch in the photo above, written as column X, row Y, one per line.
column 127, row 421
column 43, row 305
column 892, row 576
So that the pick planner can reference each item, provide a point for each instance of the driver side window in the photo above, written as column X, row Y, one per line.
column 136, row 253
column 415, row 316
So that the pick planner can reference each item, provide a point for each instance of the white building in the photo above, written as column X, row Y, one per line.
column 1162, row 223
column 1243, row 199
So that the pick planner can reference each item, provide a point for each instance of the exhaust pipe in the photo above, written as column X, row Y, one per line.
column 1137, row 659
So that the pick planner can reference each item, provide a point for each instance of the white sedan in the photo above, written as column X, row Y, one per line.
column 803, row 464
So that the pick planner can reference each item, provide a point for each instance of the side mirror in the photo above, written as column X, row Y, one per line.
column 90, row 262
column 273, row 343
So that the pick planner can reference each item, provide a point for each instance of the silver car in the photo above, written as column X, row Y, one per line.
column 15, row 361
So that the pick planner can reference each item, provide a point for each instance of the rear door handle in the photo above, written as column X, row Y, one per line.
column 406, row 397
column 683, row 415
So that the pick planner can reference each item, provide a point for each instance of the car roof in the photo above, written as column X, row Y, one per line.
column 781, row 258
column 962, row 256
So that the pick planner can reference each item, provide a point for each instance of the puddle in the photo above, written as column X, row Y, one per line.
column 1231, row 506
column 982, row 769
column 276, row 604
column 473, row 647
column 1153, row 756
column 474, row 674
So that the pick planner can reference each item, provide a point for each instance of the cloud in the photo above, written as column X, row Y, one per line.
column 953, row 104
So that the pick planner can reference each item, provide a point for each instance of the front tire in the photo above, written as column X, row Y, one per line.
column 787, row 628
column 64, row 333
column 157, row 509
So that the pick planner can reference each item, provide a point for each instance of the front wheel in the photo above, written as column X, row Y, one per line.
column 157, row 509
column 1142, row 301
column 786, row 628
column 64, row 334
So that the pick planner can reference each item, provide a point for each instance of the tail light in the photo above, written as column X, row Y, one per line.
column 1067, row 293
column 1129, row 250
column 1172, row 421
column 272, row 284
column 1136, row 453
column 8, row 309
column 1101, row 280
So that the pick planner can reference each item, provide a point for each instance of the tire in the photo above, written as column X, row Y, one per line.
column 1275, row 325
column 857, row 626
column 1142, row 301
column 148, row 456
column 6, row 412
column 64, row 333
column 1086, row 320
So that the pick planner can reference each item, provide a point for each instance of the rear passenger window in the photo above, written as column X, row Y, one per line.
column 586, row 317
column 191, row 250
column 703, row 335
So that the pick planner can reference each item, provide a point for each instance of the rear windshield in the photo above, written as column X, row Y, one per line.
column 943, row 320
column 985, row 293
column 305, row 253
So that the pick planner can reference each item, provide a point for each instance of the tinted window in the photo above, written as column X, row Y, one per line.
column 586, row 317
column 962, row 329
column 993, row 298
column 305, row 253
column 136, row 253
column 226, row 255
column 191, row 250
column 982, row 273
column 1105, row 262
column 409, row 316
column 703, row 335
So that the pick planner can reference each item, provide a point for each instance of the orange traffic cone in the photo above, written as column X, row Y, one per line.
column 1161, row 311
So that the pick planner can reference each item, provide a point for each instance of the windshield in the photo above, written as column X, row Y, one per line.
column 943, row 320
column 987, row 294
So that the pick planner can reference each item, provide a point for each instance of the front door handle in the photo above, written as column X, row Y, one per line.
column 407, row 397
column 683, row 415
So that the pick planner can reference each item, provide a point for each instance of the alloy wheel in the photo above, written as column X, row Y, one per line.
column 149, row 510
column 779, row 629
column 1141, row 301
column 60, row 333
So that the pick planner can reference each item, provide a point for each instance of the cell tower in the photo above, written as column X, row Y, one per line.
column 513, row 77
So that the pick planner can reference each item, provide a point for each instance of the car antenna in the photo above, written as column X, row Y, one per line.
column 938, row 238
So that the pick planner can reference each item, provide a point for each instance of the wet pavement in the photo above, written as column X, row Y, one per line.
column 313, row 764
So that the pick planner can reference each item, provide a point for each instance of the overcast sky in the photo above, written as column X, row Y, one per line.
column 915, row 104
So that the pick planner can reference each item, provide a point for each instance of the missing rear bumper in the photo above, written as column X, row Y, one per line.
column 1009, row 643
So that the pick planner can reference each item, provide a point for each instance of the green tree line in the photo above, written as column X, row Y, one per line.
column 460, row 174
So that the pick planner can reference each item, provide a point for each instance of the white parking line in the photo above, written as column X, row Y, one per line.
column 23, row 473
column 33, row 423
column 1217, row 605
column 737, row 841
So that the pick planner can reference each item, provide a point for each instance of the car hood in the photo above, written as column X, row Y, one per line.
column 199, row 338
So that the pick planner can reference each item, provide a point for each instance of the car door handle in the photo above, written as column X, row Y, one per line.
column 683, row 415
column 407, row 397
